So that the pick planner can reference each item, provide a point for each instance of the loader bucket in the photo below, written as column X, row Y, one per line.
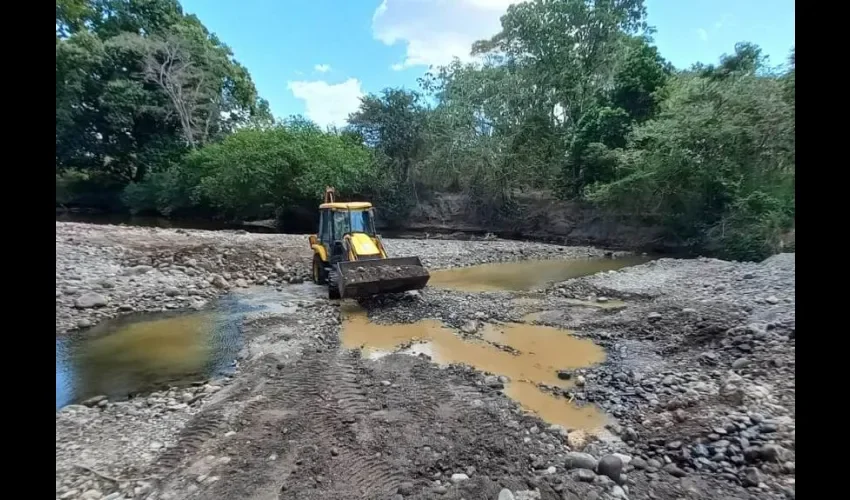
column 362, row 278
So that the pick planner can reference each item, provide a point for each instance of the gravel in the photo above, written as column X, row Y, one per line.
column 699, row 380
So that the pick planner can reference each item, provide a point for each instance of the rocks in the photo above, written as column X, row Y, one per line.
column 611, row 466
column 654, row 316
column 493, row 382
column 579, row 460
column 219, row 282
column 458, row 477
column 654, row 382
column 506, row 494
column 136, row 270
column 617, row 491
column 674, row 471
column 89, row 300
column 740, row 363
column 469, row 327
column 751, row 477
column 583, row 475
column 577, row 440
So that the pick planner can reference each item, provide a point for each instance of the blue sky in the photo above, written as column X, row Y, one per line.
column 317, row 57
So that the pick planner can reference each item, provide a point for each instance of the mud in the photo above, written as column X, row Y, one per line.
column 534, row 355
column 695, row 346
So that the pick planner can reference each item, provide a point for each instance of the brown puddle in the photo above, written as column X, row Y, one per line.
column 525, row 275
column 542, row 351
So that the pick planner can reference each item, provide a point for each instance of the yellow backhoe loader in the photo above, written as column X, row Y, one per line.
column 349, row 256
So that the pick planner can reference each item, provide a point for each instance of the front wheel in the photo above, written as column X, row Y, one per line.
column 319, row 273
column 333, row 287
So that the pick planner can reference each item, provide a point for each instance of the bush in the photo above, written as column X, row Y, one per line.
column 75, row 188
column 256, row 173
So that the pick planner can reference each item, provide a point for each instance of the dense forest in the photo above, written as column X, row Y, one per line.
column 571, row 98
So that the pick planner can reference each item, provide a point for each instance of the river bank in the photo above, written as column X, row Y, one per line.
column 698, row 381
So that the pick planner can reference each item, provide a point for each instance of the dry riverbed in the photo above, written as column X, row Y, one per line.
column 697, row 384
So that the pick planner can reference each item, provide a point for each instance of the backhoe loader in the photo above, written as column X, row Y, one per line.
column 349, row 256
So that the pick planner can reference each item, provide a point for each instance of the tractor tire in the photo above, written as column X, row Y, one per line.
column 320, row 274
column 333, row 288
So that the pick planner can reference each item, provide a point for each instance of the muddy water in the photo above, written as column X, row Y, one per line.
column 142, row 352
column 120, row 357
column 538, row 353
column 525, row 275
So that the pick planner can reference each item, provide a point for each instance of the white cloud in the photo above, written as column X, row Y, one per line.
column 328, row 104
column 435, row 31
column 322, row 68
column 702, row 34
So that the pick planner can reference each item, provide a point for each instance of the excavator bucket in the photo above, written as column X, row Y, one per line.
column 362, row 278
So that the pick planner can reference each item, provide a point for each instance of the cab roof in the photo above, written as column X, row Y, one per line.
column 351, row 205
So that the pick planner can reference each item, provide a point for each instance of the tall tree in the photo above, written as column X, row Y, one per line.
column 112, row 118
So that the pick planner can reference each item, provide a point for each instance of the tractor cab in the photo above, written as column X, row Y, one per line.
column 347, row 231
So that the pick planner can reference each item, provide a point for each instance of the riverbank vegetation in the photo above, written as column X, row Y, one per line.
column 571, row 99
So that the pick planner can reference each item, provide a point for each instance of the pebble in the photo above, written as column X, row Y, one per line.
column 674, row 471
column 751, row 477
column 506, row 494
column 89, row 300
column 740, row 363
column 584, row 475
column 579, row 460
column 611, row 466
column 458, row 477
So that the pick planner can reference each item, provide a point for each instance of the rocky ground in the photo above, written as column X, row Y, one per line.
column 699, row 382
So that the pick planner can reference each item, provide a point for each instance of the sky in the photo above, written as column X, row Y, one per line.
column 318, row 57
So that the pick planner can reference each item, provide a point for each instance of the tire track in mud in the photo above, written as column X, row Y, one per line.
column 308, row 420
column 331, row 425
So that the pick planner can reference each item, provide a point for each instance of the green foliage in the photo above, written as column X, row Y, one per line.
column 124, row 69
column 253, row 173
column 717, row 164
column 570, row 97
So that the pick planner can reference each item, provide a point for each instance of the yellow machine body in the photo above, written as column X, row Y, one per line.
column 347, row 236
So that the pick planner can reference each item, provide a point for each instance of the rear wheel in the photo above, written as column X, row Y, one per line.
column 319, row 273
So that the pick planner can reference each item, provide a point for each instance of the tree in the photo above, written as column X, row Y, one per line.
column 115, row 123
column 716, row 166
column 392, row 123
